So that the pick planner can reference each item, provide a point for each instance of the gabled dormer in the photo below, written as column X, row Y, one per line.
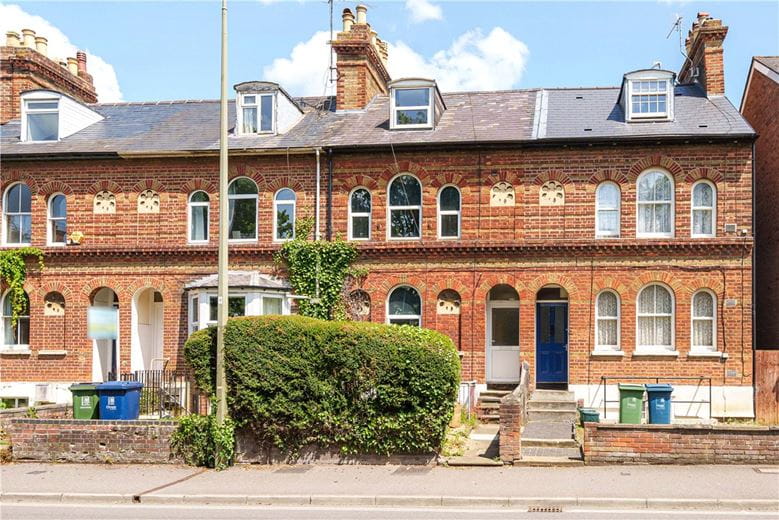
column 263, row 107
column 648, row 95
column 415, row 103
column 50, row 116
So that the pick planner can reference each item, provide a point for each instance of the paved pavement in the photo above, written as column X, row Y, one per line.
column 547, row 430
column 140, row 511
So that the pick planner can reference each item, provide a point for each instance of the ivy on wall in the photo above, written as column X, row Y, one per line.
column 13, row 272
column 318, row 269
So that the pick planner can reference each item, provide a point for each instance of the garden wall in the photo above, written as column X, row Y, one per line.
column 70, row 440
column 680, row 444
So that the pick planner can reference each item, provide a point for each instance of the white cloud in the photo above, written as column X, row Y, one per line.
column 473, row 62
column 423, row 10
column 14, row 18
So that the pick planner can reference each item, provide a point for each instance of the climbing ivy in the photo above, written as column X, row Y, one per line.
column 13, row 272
column 328, row 263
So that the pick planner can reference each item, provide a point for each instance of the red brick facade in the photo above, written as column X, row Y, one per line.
column 705, row 64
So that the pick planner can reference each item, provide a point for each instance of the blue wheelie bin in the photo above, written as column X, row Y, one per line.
column 659, row 398
column 119, row 400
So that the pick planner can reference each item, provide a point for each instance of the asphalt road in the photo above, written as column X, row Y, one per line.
column 32, row 511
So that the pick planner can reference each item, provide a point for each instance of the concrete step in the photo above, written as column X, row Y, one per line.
column 488, row 404
column 549, row 443
column 493, row 393
column 569, row 406
column 488, row 417
column 553, row 395
column 490, row 398
column 535, row 414
column 548, row 462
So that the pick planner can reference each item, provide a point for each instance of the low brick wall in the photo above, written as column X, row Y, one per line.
column 70, row 440
column 680, row 444
column 45, row 411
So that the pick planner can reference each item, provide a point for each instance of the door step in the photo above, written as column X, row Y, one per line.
column 548, row 443
column 553, row 395
column 542, row 415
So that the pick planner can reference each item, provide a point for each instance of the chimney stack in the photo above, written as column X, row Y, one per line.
column 73, row 66
column 362, row 62
column 704, row 64
column 42, row 45
column 29, row 38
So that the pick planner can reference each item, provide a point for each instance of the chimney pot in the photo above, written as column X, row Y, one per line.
column 348, row 19
column 362, row 14
column 702, row 15
column 42, row 45
column 81, row 58
column 73, row 66
column 29, row 38
column 12, row 39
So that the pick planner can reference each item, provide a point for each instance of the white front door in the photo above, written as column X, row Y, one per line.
column 503, row 342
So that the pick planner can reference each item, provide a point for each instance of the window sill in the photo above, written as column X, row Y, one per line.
column 607, row 353
column 656, row 353
column 15, row 352
column 45, row 353
column 705, row 354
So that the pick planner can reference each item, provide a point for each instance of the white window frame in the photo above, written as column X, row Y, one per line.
column 26, row 111
column 359, row 214
column 16, row 347
column 656, row 349
column 190, row 206
column 617, row 319
column 258, row 105
column 672, row 202
column 650, row 115
column 194, row 308
column 390, row 317
column 390, row 208
column 6, row 214
column 711, row 209
column 598, row 209
column 702, row 348
column 254, row 303
column 246, row 196
column 394, row 109
column 441, row 213
column 50, row 220
column 276, row 202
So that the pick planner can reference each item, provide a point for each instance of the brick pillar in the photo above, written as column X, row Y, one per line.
column 510, row 437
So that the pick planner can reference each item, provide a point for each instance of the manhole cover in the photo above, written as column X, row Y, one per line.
column 545, row 509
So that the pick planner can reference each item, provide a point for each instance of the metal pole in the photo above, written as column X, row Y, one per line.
column 221, row 400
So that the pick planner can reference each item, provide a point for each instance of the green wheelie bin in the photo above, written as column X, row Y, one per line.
column 631, row 403
column 85, row 400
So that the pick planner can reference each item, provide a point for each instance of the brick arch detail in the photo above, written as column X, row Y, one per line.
column 656, row 160
column 513, row 177
column 564, row 281
column 453, row 178
column 711, row 174
column 610, row 283
column 14, row 176
column 242, row 170
column 48, row 287
column 455, row 285
column 199, row 184
column 666, row 278
column 402, row 167
column 92, row 285
column 493, row 279
column 105, row 185
column 608, row 175
column 285, row 181
column 54, row 187
column 347, row 184
column 137, row 284
column 148, row 184
column 553, row 175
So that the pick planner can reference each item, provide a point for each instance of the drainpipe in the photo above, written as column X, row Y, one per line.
column 754, row 287
column 329, row 194
column 317, row 234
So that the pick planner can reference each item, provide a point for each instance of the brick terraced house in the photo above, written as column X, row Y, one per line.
column 592, row 232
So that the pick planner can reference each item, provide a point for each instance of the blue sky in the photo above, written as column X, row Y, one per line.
column 170, row 50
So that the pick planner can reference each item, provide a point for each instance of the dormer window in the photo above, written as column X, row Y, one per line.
column 648, row 95
column 42, row 119
column 414, row 103
column 257, row 113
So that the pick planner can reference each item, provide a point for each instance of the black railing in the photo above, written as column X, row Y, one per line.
column 164, row 393
column 624, row 379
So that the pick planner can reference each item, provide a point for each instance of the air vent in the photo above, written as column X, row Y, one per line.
column 703, row 126
column 588, row 129
column 731, row 302
column 545, row 509
column 579, row 97
column 730, row 228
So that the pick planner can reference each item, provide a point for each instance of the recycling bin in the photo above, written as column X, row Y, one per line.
column 119, row 400
column 631, row 403
column 85, row 400
column 589, row 415
column 659, row 399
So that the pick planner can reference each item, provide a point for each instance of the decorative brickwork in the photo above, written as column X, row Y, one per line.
column 680, row 444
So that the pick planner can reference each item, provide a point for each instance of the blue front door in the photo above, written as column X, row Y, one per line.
column 552, row 342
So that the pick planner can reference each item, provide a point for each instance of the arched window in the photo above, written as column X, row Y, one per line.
column 607, row 210
column 58, row 226
column 284, row 209
column 704, row 209
column 404, row 307
column 655, row 205
column 449, row 212
column 704, row 314
column 198, row 216
column 607, row 321
column 405, row 207
column 17, row 215
column 360, row 214
column 16, row 335
column 655, row 330
column 242, row 196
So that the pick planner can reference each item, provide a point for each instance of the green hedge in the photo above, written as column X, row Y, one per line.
column 358, row 387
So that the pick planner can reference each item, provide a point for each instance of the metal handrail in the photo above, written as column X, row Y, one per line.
column 604, row 381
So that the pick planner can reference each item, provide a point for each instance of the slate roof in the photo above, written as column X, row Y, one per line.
column 772, row 62
column 241, row 279
column 514, row 116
